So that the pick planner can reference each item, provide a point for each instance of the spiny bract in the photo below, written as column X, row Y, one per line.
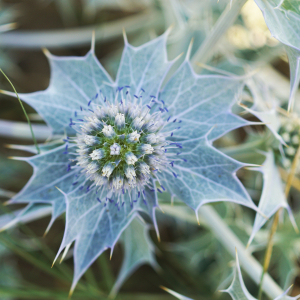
column 124, row 144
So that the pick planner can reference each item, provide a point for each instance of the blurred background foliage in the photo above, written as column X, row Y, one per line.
column 189, row 258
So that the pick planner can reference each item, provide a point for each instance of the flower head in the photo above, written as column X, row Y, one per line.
column 114, row 148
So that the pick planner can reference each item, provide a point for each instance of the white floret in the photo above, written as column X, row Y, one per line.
column 115, row 149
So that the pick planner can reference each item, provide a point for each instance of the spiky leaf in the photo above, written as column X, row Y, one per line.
column 283, row 20
column 272, row 197
column 95, row 222
column 50, row 171
column 138, row 250
column 238, row 290
column 201, row 107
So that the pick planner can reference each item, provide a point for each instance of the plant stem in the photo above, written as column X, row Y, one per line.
column 232, row 243
column 83, row 35
column 19, row 130
column 206, row 51
column 23, row 108
column 268, row 253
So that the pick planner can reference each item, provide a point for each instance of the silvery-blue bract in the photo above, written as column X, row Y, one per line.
column 192, row 111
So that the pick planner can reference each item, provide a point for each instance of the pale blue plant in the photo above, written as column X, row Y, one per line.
column 127, row 140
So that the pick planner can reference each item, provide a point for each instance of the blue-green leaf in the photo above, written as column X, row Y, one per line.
column 238, row 290
column 283, row 20
column 272, row 197
column 201, row 107
column 74, row 82
column 50, row 170
column 144, row 67
column 138, row 250
column 95, row 221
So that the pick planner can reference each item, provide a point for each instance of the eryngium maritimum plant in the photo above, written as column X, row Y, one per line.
column 127, row 140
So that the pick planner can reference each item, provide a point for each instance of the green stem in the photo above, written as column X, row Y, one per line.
column 23, row 108
column 206, row 51
column 17, row 130
column 81, row 36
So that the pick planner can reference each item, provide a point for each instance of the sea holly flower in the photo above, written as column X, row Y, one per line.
column 127, row 140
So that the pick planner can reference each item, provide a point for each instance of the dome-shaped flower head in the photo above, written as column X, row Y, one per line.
column 128, row 140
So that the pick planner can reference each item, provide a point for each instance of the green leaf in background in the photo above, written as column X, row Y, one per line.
column 138, row 250
column 283, row 20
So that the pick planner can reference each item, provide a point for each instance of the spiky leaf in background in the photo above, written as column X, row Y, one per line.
column 283, row 20
column 138, row 250
column 273, row 197
column 238, row 290
column 196, row 110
